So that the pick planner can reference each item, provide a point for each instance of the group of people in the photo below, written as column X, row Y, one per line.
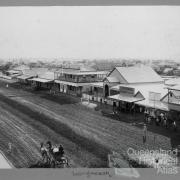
column 160, row 119
column 124, row 107
column 51, row 154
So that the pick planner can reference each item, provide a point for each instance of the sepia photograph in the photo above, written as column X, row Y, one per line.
column 89, row 88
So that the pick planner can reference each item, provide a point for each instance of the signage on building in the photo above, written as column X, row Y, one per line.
column 154, row 96
column 127, row 90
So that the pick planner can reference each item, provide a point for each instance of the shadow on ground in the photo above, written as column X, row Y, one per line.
column 62, row 100
column 59, row 98
column 137, row 119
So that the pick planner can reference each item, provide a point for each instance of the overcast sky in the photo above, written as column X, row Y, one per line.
column 90, row 32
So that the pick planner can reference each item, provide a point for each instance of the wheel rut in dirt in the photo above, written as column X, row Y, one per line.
column 61, row 128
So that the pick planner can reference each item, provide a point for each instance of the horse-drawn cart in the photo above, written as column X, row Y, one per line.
column 52, row 157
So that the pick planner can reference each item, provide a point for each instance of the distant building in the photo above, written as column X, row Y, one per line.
column 77, row 81
column 27, row 74
column 176, row 72
column 140, row 85
column 43, row 81
column 130, row 75
column 167, row 70
column 172, row 82
column 17, row 71
column 173, row 98
column 125, row 86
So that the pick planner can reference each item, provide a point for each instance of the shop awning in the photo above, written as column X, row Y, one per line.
column 67, row 83
column 41, row 80
column 24, row 77
column 125, row 97
column 154, row 104
column 97, row 84
column 78, row 84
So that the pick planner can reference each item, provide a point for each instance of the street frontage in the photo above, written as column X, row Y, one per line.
column 28, row 118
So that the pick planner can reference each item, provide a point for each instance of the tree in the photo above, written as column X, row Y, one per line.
column 6, row 67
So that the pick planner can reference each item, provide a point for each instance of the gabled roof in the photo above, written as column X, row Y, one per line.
column 139, row 74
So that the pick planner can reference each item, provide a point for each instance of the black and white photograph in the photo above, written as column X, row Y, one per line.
column 90, row 87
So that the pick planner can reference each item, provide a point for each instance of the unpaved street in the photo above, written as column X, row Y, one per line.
column 29, row 118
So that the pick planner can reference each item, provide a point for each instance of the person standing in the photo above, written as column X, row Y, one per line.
column 174, row 126
column 9, row 147
column 165, row 122
column 61, row 150
column 144, row 133
column 145, row 114
column 161, row 118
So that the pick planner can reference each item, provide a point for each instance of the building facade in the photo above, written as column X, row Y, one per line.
column 76, row 81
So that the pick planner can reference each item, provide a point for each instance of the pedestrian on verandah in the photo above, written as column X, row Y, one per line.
column 149, row 119
column 174, row 126
column 153, row 116
column 161, row 118
column 165, row 122
column 133, row 108
column 146, row 114
column 157, row 121
column 144, row 133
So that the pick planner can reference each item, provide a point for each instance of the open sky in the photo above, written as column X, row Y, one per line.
column 90, row 32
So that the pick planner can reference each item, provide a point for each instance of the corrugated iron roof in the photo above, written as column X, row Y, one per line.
column 139, row 74
column 41, row 80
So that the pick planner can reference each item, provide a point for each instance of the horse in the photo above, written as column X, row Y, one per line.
column 53, row 159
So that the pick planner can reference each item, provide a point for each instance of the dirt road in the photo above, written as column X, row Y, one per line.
column 26, row 134
column 29, row 118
